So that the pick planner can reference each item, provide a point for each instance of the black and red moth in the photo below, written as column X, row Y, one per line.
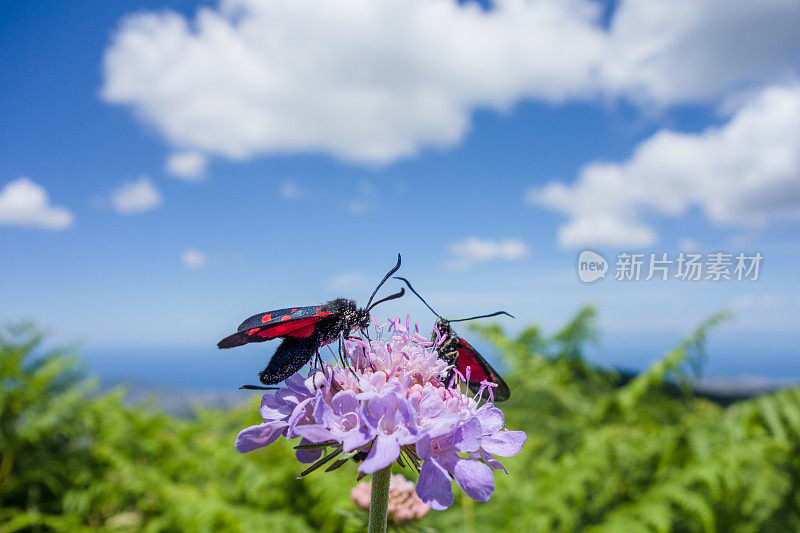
column 304, row 330
column 459, row 353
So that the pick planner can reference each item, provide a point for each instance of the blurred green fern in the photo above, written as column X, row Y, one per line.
column 602, row 454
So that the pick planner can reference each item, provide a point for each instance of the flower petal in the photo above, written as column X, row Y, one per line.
column 385, row 451
column 431, row 404
column 300, row 412
column 423, row 447
column 504, row 443
column 294, row 391
column 322, row 411
column 274, row 409
column 491, row 418
column 475, row 478
column 441, row 425
column 255, row 437
column 356, row 438
column 313, row 433
column 307, row 455
column 344, row 402
column 434, row 487
column 383, row 405
column 490, row 461
column 468, row 436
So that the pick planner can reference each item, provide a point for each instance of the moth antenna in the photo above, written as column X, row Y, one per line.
column 417, row 294
column 390, row 297
column 392, row 271
column 484, row 316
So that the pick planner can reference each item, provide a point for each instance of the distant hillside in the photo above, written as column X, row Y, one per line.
column 177, row 401
column 182, row 402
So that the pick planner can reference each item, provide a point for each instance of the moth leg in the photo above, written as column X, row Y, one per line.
column 314, row 371
column 342, row 356
column 318, row 358
column 334, row 354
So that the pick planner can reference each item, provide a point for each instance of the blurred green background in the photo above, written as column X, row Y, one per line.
column 605, row 452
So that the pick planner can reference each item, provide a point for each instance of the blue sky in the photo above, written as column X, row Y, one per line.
column 203, row 162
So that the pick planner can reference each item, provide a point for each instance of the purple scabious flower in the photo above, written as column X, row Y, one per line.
column 391, row 403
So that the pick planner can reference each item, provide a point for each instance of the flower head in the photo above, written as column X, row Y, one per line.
column 391, row 402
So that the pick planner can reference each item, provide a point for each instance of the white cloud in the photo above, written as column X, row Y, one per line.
column 377, row 80
column 189, row 166
column 136, row 196
column 744, row 173
column 669, row 51
column 363, row 201
column 291, row 190
column 347, row 281
column 472, row 251
column 24, row 203
column 193, row 259
column 604, row 229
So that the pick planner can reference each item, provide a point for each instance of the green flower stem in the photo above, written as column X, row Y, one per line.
column 379, row 500
column 469, row 513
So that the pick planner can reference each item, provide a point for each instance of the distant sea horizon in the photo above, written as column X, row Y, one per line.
column 766, row 360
